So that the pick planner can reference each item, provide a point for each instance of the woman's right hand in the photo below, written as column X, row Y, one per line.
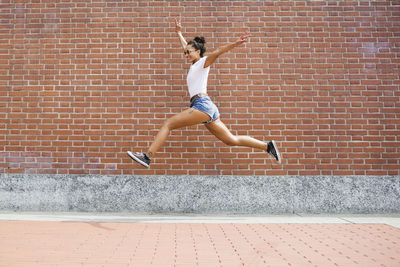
column 178, row 26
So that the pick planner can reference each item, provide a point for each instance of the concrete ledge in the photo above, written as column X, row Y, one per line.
column 200, row 194
column 104, row 217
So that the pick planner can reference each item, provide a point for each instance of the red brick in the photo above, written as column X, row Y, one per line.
column 303, row 79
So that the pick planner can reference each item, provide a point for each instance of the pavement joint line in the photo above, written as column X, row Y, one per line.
column 346, row 220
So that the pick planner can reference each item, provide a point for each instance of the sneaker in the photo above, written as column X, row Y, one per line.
column 273, row 150
column 140, row 157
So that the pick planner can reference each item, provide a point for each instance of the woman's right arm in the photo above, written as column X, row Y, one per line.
column 178, row 29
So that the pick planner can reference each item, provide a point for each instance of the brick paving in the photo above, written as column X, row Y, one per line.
column 55, row 243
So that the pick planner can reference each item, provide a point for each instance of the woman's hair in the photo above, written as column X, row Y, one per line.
column 198, row 44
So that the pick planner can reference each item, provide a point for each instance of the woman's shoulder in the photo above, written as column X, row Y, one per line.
column 202, row 59
column 200, row 62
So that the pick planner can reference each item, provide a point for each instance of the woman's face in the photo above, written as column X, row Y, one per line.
column 191, row 54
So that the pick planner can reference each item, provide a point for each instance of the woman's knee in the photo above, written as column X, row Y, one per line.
column 169, row 124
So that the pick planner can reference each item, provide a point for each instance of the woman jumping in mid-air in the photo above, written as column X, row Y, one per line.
column 202, row 109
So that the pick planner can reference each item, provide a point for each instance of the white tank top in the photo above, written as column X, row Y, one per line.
column 197, row 77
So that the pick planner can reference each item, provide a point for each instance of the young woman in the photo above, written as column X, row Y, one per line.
column 202, row 109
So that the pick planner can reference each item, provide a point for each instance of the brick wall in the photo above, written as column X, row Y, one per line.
column 84, row 81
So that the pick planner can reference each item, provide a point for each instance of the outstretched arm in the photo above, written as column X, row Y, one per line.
column 223, row 49
column 178, row 30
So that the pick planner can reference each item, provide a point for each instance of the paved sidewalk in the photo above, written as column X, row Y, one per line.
column 78, row 239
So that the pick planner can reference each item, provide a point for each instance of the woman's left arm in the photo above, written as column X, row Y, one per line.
column 223, row 49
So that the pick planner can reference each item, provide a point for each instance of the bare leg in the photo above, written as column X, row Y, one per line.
column 187, row 117
column 219, row 129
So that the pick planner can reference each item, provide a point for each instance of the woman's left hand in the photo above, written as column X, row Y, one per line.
column 243, row 38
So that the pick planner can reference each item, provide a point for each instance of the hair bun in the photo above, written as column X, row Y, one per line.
column 200, row 39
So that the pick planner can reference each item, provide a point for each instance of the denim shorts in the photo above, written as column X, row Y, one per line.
column 204, row 104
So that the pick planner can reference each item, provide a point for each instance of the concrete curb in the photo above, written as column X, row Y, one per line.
column 200, row 194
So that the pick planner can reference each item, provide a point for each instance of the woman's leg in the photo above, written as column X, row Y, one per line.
column 187, row 117
column 219, row 129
